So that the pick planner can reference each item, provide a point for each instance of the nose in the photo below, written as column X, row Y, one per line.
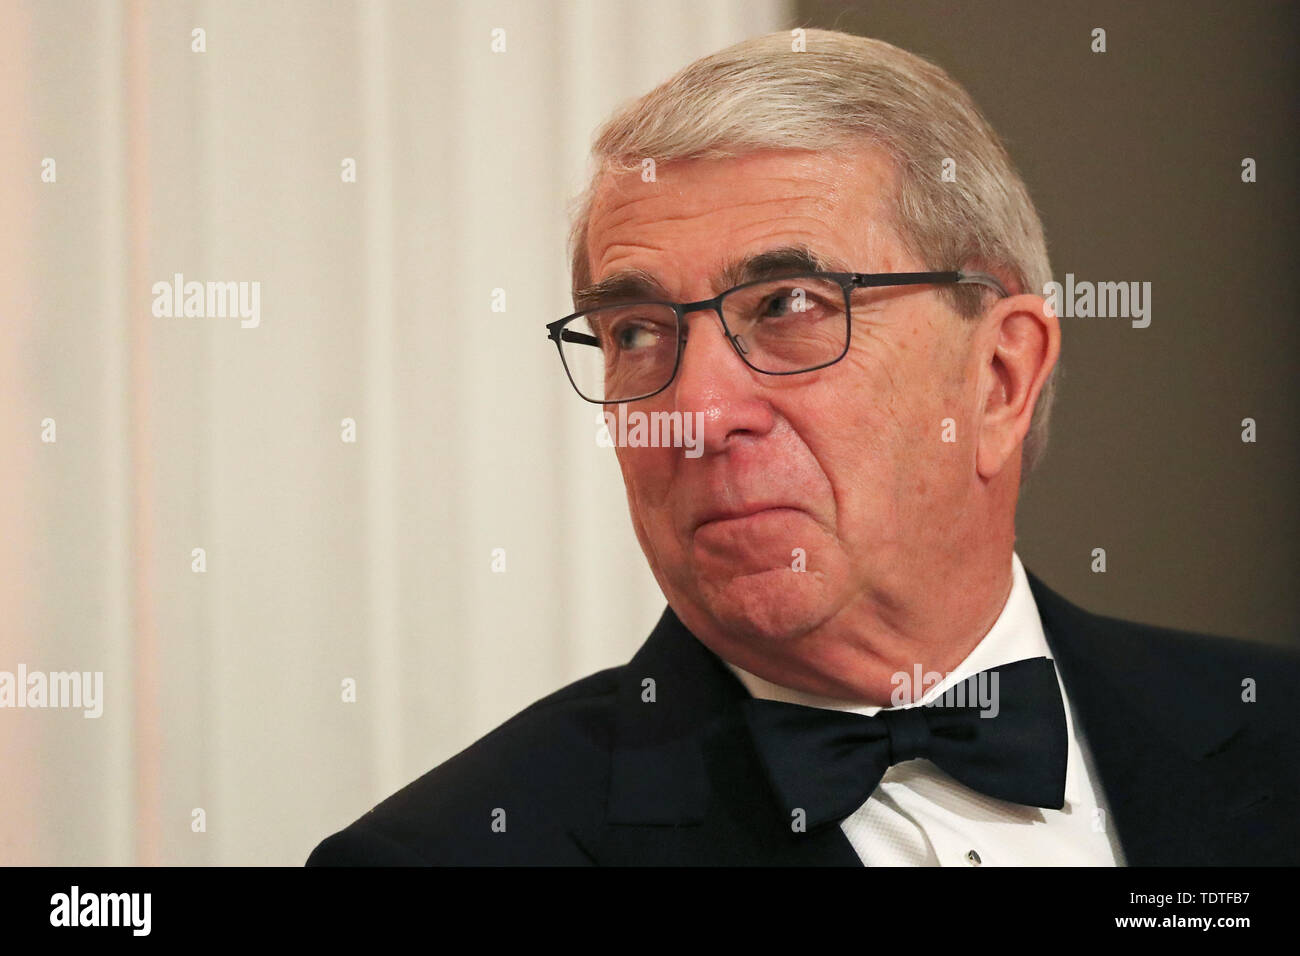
column 713, row 380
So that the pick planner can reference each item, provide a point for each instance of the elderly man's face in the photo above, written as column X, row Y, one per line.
column 843, row 466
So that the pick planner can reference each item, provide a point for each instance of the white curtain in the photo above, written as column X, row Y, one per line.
column 225, row 736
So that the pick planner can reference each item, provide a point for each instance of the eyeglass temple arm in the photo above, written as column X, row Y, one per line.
column 983, row 278
column 569, row 335
column 870, row 280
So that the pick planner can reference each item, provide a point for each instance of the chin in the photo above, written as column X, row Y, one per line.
column 776, row 605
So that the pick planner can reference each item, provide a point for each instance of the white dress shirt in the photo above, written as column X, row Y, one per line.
column 920, row 816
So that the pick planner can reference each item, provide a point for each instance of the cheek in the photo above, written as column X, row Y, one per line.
column 885, row 446
column 647, row 477
column 877, row 408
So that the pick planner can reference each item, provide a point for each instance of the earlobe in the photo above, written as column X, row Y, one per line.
column 1024, row 348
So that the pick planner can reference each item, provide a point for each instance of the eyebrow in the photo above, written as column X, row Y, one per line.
column 633, row 285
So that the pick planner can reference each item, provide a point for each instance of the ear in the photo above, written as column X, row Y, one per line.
column 1020, row 341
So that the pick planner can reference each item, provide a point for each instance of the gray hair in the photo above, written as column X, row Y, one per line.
column 840, row 92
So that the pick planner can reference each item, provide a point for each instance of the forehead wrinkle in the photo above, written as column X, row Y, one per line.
column 820, row 203
column 621, row 202
column 619, row 209
column 619, row 193
column 795, row 230
column 818, row 194
column 827, row 255
column 737, row 269
column 622, row 250
column 806, row 231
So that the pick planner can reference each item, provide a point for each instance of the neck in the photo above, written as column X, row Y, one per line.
column 932, row 620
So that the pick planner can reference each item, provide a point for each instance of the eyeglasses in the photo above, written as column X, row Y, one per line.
column 800, row 323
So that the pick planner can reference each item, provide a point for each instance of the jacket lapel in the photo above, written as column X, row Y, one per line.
column 1165, row 740
column 685, row 784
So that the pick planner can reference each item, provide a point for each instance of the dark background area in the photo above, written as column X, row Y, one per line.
column 1133, row 157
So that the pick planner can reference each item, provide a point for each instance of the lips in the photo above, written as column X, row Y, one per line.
column 732, row 514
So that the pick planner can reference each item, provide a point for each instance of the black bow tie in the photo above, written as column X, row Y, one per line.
column 828, row 762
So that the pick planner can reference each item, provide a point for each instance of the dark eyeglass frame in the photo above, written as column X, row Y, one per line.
column 847, row 281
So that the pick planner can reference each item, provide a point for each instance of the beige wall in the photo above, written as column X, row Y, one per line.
column 325, row 560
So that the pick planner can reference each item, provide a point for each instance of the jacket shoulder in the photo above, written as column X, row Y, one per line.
column 1206, row 677
column 509, row 798
column 1243, row 671
column 1165, row 643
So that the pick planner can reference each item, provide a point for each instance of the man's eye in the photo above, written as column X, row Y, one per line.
column 632, row 334
column 777, row 305
column 793, row 303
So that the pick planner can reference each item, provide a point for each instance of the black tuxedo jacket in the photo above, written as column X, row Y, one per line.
column 595, row 774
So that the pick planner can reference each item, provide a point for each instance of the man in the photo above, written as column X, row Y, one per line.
column 834, row 267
